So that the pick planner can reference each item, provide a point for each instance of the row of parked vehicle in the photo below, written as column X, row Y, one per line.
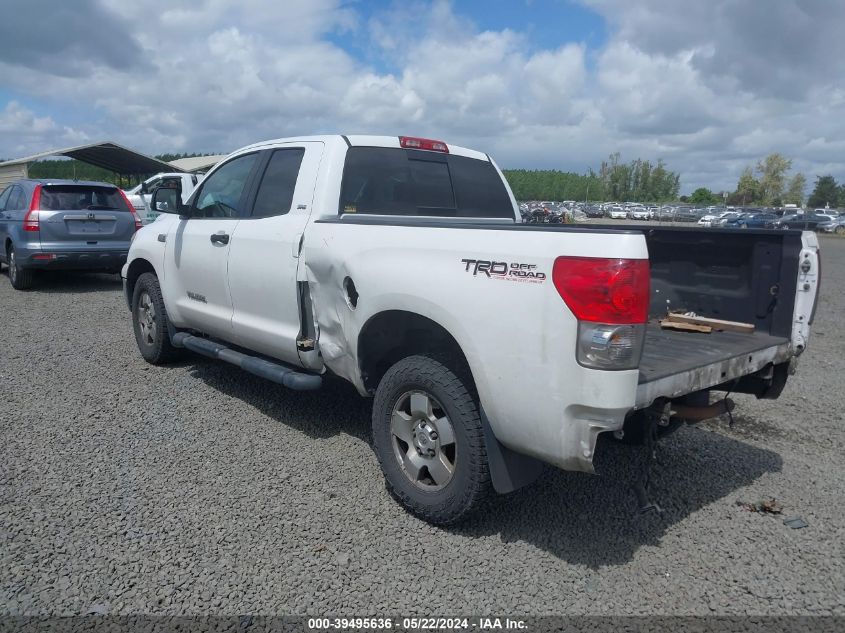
column 822, row 220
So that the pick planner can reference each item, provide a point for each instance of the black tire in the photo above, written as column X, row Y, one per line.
column 469, row 483
column 151, row 332
column 21, row 278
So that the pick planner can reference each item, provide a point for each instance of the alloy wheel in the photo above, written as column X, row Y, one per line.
column 147, row 318
column 423, row 440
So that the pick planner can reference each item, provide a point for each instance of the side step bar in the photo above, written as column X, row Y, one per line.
column 258, row 366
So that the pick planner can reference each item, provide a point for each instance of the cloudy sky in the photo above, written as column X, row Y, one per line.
column 708, row 85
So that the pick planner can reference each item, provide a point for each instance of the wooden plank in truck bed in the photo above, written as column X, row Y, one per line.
column 716, row 324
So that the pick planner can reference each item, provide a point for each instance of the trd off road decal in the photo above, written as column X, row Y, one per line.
column 511, row 271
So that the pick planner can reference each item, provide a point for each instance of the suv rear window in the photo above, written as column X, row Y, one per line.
column 80, row 197
column 391, row 181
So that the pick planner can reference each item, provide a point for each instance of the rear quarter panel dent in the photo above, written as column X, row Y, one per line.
column 518, row 337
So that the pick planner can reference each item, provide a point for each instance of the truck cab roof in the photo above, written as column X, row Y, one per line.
column 362, row 140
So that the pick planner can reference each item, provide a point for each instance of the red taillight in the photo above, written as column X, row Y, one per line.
column 412, row 142
column 602, row 290
column 129, row 206
column 30, row 220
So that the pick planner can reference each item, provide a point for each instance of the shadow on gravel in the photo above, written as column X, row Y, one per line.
column 70, row 282
column 583, row 519
column 334, row 409
column 593, row 520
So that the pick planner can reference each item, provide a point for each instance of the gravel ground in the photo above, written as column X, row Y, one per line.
column 199, row 489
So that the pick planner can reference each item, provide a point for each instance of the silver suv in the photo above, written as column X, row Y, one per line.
column 63, row 224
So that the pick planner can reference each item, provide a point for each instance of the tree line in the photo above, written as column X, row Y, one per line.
column 827, row 193
column 637, row 181
column 770, row 183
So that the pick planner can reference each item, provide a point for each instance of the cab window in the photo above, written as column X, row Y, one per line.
column 222, row 192
column 395, row 181
column 275, row 193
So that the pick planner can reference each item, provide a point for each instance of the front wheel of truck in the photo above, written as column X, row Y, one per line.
column 149, row 321
column 429, row 441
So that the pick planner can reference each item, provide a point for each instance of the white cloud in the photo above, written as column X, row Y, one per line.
column 710, row 87
column 20, row 128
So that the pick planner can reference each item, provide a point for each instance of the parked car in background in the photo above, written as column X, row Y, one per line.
column 618, row 213
column 826, row 213
column 806, row 221
column 723, row 219
column 707, row 219
column 734, row 222
column 664, row 214
column 687, row 215
column 639, row 213
column 139, row 196
column 836, row 225
column 64, row 224
column 757, row 221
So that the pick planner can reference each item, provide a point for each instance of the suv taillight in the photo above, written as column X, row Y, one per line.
column 609, row 297
column 129, row 206
column 30, row 220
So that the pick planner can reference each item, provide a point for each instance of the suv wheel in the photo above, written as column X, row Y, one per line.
column 429, row 441
column 149, row 320
column 21, row 278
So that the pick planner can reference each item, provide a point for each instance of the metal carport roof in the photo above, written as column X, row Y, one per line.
column 107, row 155
column 197, row 163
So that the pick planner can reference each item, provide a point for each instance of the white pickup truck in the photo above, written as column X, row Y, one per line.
column 489, row 346
column 139, row 196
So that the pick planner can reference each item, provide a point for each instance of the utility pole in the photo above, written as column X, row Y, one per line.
column 587, row 194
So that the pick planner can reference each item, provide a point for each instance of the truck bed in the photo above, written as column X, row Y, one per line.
column 668, row 352
column 674, row 363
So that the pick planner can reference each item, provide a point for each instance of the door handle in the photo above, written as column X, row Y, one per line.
column 219, row 238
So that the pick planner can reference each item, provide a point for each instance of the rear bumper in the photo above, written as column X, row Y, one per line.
column 44, row 259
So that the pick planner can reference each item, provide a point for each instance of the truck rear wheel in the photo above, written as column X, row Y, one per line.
column 429, row 441
column 149, row 321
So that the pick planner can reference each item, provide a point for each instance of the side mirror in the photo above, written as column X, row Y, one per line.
column 167, row 200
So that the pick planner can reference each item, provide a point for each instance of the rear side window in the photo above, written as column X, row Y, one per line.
column 17, row 199
column 80, row 197
column 275, row 193
column 391, row 181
